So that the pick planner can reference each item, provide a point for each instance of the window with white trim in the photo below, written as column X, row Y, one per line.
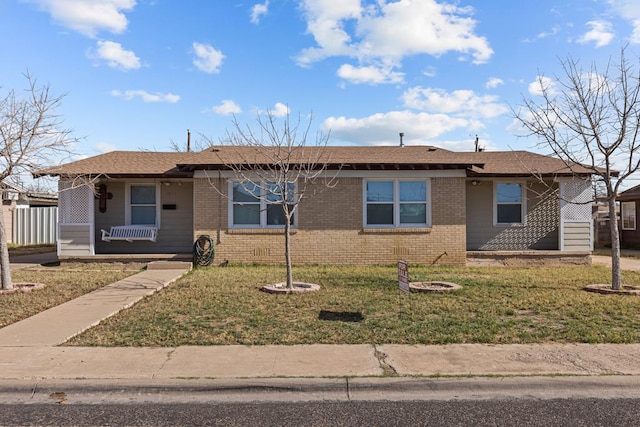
column 259, row 205
column 396, row 203
column 628, row 215
column 509, row 203
column 142, row 204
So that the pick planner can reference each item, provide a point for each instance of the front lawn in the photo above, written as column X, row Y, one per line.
column 356, row 305
column 62, row 283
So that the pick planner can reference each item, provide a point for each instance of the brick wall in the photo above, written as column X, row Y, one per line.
column 330, row 228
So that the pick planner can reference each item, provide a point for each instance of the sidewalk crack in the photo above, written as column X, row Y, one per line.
column 387, row 369
column 169, row 354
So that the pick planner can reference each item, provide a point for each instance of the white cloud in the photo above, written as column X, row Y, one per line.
column 227, row 107
column 369, row 74
column 493, row 83
column 459, row 103
column 208, row 59
column 104, row 147
column 258, row 10
column 116, row 56
column 383, row 128
column 279, row 110
column 541, row 82
column 635, row 34
column 146, row 96
column 601, row 33
column 387, row 32
column 628, row 10
column 88, row 17
column 430, row 71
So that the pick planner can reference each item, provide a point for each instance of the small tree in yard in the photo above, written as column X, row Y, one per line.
column 276, row 164
column 31, row 136
column 591, row 118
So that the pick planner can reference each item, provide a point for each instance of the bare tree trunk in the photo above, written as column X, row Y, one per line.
column 287, row 253
column 5, row 267
column 616, row 279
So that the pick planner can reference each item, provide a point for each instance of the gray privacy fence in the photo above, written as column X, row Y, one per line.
column 35, row 226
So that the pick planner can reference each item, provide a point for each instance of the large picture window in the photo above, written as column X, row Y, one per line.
column 142, row 204
column 509, row 203
column 259, row 205
column 396, row 203
column 628, row 214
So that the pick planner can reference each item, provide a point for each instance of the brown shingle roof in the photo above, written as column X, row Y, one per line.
column 521, row 163
column 140, row 163
column 123, row 163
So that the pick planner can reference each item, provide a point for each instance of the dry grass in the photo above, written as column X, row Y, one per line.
column 62, row 283
column 363, row 305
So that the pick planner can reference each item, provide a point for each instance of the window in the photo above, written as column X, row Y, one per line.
column 509, row 203
column 628, row 215
column 396, row 203
column 259, row 204
column 142, row 204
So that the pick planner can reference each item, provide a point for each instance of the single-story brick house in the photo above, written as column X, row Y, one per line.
column 419, row 203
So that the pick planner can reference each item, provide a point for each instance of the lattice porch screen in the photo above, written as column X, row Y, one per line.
column 75, row 203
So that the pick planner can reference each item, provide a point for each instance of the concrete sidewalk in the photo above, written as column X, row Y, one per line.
column 317, row 361
column 29, row 350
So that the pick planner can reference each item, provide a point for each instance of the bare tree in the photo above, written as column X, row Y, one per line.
column 276, row 164
column 590, row 118
column 31, row 136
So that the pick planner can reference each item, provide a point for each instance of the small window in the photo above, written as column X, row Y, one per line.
column 509, row 203
column 142, row 204
column 396, row 203
column 628, row 215
column 258, row 205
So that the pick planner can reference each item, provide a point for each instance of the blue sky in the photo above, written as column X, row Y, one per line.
column 138, row 74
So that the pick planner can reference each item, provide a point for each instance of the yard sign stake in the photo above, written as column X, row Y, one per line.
column 403, row 282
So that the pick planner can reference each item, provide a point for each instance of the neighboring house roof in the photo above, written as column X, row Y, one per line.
column 14, row 192
column 632, row 193
column 150, row 164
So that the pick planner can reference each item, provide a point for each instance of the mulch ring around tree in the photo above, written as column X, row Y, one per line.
column 281, row 288
column 601, row 288
column 434, row 286
column 23, row 287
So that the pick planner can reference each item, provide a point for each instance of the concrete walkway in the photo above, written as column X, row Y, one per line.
column 632, row 264
column 29, row 351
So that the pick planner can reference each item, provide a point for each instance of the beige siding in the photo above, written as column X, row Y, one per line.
column 576, row 236
column 330, row 229
column 73, row 240
column 176, row 226
column 542, row 220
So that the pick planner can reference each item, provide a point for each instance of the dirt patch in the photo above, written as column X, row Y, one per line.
column 434, row 286
column 606, row 289
column 298, row 287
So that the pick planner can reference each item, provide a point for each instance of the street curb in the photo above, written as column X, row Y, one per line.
column 317, row 389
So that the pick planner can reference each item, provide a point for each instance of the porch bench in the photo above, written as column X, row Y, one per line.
column 130, row 233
